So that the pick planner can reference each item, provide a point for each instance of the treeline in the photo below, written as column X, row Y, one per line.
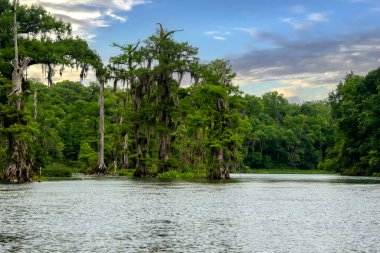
column 146, row 121
column 254, row 132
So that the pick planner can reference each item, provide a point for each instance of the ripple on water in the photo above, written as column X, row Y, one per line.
column 271, row 213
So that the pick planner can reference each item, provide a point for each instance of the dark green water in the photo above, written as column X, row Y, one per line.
column 259, row 213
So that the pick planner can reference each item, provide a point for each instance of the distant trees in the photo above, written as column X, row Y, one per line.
column 286, row 135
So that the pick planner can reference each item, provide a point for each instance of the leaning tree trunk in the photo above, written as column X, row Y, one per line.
column 18, row 168
column 101, row 168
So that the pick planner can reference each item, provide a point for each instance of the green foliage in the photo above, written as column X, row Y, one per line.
column 287, row 135
column 32, row 142
column 174, row 174
column 87, row 156
column 125, row 172
column 356, row 112
column 44, row 39
column 56, row 170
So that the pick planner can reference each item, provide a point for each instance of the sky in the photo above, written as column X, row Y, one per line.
column 300, row 48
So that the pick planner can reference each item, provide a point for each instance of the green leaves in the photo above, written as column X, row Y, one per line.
column 44, row 39
column 356, row 111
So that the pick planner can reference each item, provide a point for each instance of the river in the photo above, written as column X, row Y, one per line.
column 254, row 213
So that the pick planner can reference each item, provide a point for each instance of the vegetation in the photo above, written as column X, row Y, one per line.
column 356, row 112
column 149, row 124
column 30, row 36
column 56, row 170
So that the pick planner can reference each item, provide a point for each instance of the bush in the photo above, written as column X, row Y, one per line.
column 125, row 172
column 174, row 174
column 56, row 170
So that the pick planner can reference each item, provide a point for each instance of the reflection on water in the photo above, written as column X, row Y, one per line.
column 260, row 213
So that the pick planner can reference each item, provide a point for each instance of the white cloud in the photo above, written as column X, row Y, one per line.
column 307, row 22
column 317, row 17
column 296, row 24
column 211, row 32
column 88, row 15
column 116, row 17
column 122, row 5
column 219, row 37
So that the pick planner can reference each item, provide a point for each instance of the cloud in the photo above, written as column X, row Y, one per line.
column 309, row 64
column 219, row 38
column 211, row 32
column 262, row 36
column 218, row 35
column 317, row 17
column 72, row 74
column 308, row 21
column 88, row 15
column 296, row 24
column 116, row 17
column 250, row 30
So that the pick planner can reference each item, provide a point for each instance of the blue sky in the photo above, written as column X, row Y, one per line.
column 301, row 49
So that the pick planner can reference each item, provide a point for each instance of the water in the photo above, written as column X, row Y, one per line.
column 257, row 213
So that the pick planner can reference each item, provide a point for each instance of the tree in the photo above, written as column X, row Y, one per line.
column 37, row 38
column 149, row 68
column 102, row 75
column 214, row 127
column 355, row 108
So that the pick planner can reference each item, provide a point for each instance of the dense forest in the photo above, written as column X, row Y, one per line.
column 157, row 109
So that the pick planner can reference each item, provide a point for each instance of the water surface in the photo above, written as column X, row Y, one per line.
column 256, row 213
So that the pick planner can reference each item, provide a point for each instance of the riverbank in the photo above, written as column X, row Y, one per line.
column 287, row 171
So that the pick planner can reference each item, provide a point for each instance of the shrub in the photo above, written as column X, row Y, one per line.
column 56, row 170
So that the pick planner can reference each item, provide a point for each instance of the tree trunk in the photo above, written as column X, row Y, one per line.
column 223, row 167
column 17, row 70
column 141, row 153
column 18, row 168
column 101, row 165
column 164, row 153
column 35, row 113
column 125, row 149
